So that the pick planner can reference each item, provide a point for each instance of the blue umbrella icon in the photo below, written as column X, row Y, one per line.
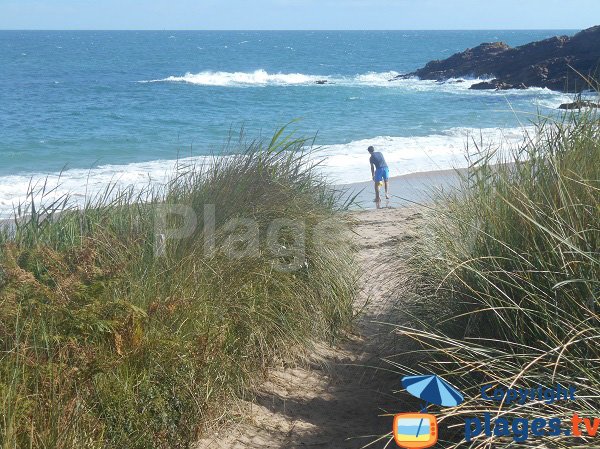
column 433, row 390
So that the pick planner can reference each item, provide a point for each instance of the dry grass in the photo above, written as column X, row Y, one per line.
column 512, row 263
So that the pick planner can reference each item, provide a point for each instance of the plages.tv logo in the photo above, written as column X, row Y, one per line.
column 420, row 430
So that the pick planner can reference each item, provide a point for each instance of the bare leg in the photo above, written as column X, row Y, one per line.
column 386, row 184
column 377, row 198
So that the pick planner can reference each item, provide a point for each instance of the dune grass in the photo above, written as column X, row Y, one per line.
column 116, row 334
column 511, row 261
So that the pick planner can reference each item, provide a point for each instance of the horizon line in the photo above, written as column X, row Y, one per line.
column 298, row 29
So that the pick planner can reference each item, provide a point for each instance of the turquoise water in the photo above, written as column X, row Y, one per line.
column 121, row 106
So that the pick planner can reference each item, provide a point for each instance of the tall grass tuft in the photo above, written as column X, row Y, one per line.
column 512, row 260
column 117, row 333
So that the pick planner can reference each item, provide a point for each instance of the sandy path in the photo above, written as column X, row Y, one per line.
column 337, row 400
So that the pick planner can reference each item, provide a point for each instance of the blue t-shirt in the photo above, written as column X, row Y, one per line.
column 378, row 160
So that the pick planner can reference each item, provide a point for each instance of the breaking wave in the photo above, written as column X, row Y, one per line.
column 343, row 163
column 544, row 98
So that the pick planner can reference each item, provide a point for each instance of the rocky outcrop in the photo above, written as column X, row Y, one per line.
column 497, row 85
column 579, row 104
column 558, row 63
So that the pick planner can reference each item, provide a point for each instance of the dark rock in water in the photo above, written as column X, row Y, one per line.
column 579, row 104
column 557, row 63
column 321, row 82
column 485, row 85
column 496, row 85
column 403, row 76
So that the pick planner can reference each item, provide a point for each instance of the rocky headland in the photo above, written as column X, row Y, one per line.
column 559, row 63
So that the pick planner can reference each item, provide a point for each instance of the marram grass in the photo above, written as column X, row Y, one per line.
column 107, row 343
column 512, row 262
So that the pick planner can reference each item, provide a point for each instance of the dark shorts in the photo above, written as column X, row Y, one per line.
column 382, row 174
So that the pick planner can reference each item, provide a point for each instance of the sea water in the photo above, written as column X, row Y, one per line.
column 83, row 109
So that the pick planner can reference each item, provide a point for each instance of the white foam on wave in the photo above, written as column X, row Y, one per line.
column 348, row 163
column 257, row 78
column 544, row 98
column 371, row 79
column 343, row 163
column 83, row 186
column 264, row 78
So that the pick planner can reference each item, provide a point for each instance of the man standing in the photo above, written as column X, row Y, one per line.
column 379, row 171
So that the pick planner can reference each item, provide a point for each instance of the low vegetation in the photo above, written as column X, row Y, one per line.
column 512, row 262
column 128, row 323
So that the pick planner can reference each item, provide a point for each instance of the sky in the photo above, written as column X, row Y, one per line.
column 298, row 14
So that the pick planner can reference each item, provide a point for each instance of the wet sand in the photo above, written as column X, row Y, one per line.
column 405, row 190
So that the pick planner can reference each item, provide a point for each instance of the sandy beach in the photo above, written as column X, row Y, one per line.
column 405, row 190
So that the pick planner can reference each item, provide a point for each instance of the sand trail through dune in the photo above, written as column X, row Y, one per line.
column 340, row 397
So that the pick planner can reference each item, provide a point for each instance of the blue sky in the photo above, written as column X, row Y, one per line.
column 298, row 14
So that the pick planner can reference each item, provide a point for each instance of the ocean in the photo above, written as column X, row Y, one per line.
column 83, row 109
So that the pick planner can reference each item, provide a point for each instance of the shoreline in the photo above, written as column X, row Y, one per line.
column 411, row 188
column 342, row 164
column 404, row 190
